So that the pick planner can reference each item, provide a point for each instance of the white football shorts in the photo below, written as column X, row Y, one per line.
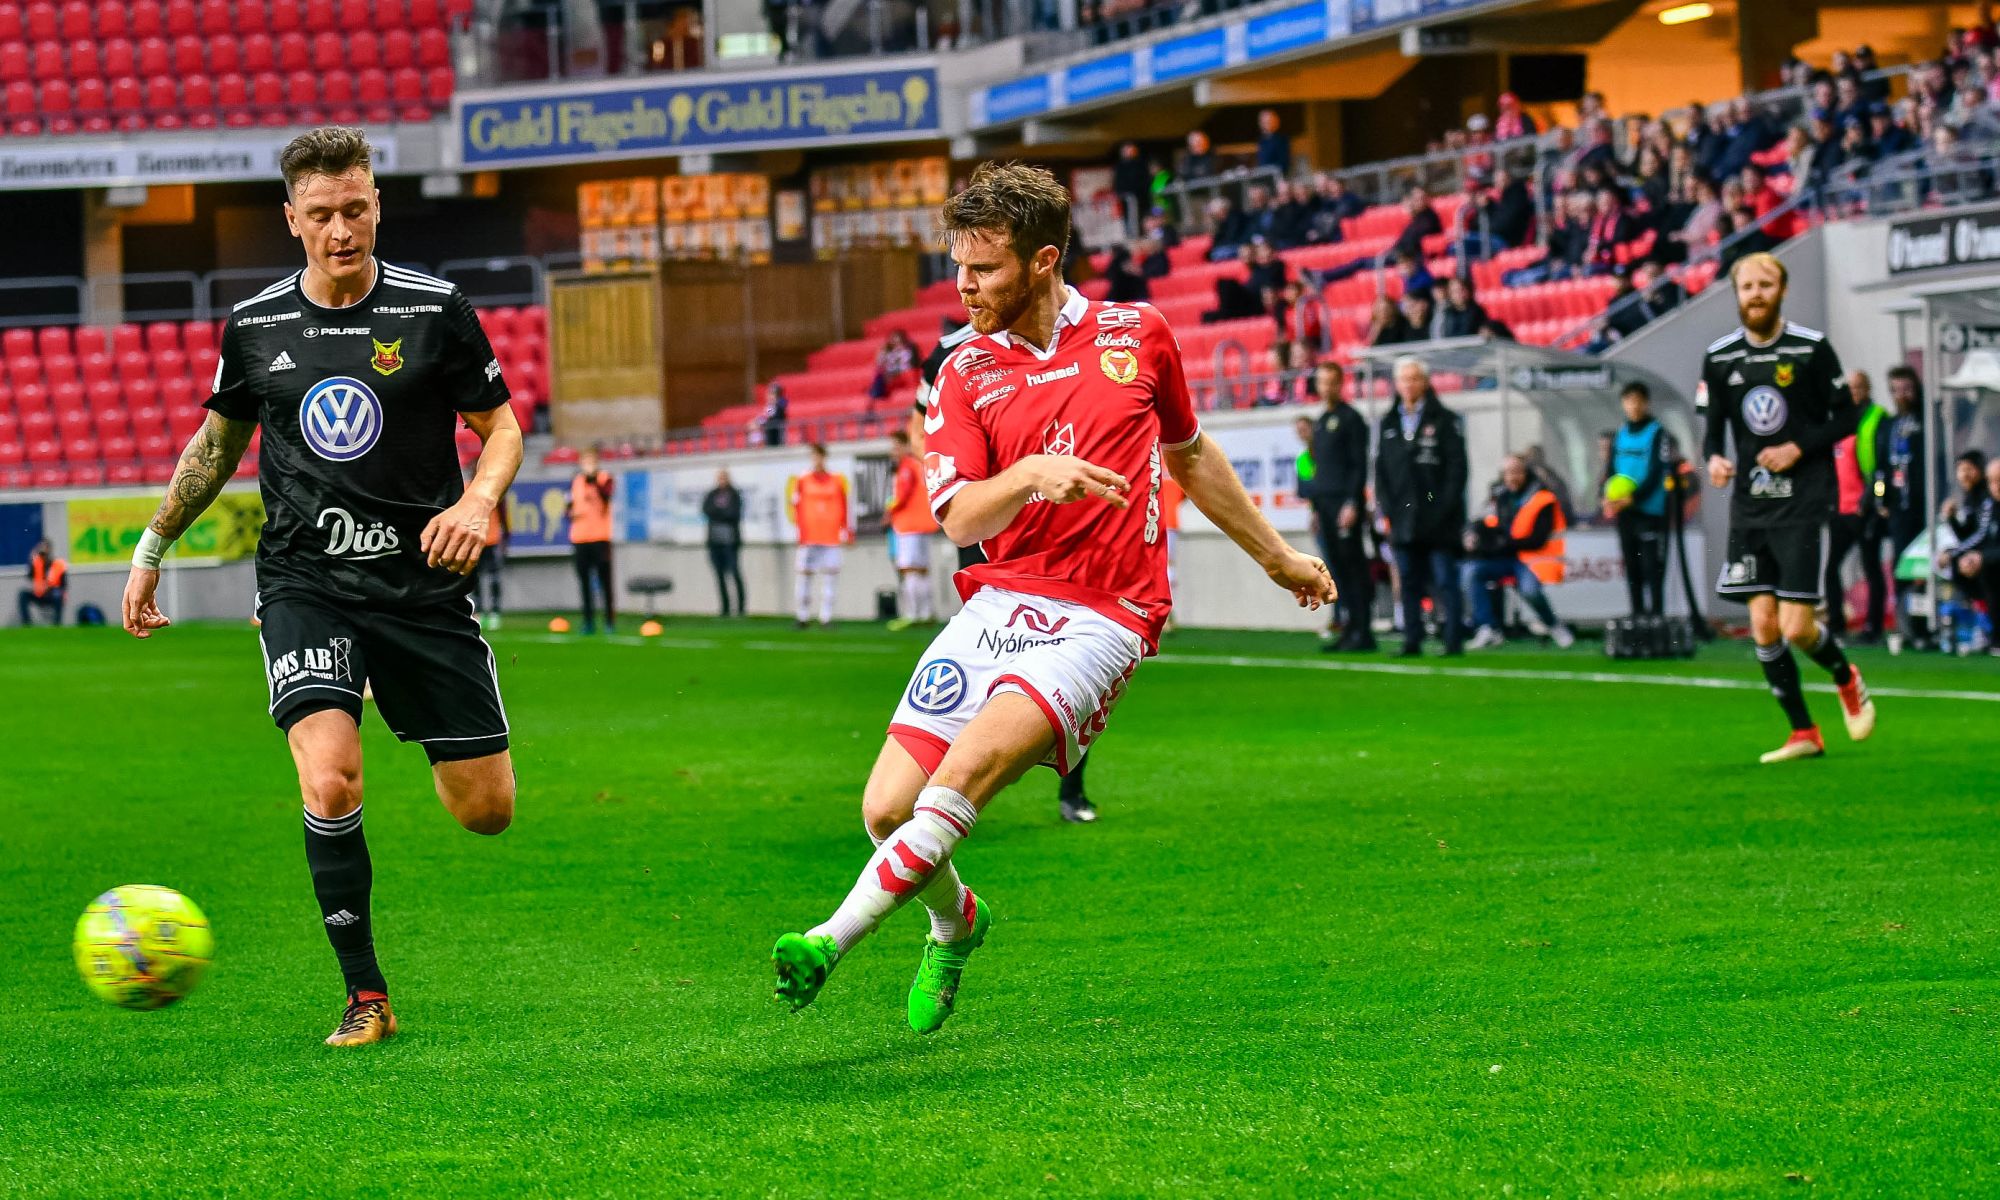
column 913, row 552
column 819, row 558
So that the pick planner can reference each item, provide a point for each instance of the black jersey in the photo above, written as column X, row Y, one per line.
column 1791, row 390
column 359, row 407
column 934, row 363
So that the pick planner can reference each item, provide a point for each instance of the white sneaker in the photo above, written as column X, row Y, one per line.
column 1485, row 638
column 1562, row 636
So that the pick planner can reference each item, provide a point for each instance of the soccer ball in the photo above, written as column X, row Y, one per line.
column 140, row 946
column 1620, row 488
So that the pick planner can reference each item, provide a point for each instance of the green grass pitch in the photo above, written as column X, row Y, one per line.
column 1341, row 932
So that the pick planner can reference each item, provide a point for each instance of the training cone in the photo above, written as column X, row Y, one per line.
column 559, row 625
column 652, row 629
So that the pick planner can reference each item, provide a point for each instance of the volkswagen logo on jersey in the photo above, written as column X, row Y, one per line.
column 938, row 688
column 1764, row 410
column 340, row 418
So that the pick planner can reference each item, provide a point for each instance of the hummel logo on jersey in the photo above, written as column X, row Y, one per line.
column 1118, row 318
column 343, row 917
column 1059, row 373
column 283, row 362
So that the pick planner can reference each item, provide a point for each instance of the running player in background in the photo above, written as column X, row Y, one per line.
column 359, row 373
column 1049, row 436
column 817, row 501
column 1777, row 389
column 911, row 521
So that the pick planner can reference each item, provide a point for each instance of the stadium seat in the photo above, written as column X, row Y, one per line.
column 93, row 106
column 294, row 52
column 336, row 91
column 83, row 63
column 457, row 11
column 190, row 54
column 399, row 49
column 319, row 16
column 267, row 99
column 177, row 394
column 214, row 17
column 198, row 336
column 117, row 58
column 232, row 98
column 160, row 470
column 66, row 396
column 198, row 101
column 251, row 17
column 257, row 52
column 49, row 475
column 13, row 452
column 285, row 16
column 14, row 66
column 156, row 56
column 128, row 104
column 37, row 424
column 127, row 337
column 87, row 340
column 437, row 87
column 328, row 49
column 118, row 448
column 372, row 93
column 58, row 114
column 201, row 363
column 302, row 92
column 42, row 20
column 163, row 102
column 364, row 50
column 225, row 54
column 47, row 63
column 54, row 339
column 406, row 90
column 423, row 14
column 171, row 362
column 18, row 343
column 73, row 21
column 12, row 27
column 125, row 474
column 144, row 19
column 433, row 48
column 154, row 446
column 80, row 448
column 133, row 364
column 84, row 473
column 181, row 17
column 60, row 368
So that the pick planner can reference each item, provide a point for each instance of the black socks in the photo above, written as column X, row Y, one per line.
column 1782, row 671
column 337, row 854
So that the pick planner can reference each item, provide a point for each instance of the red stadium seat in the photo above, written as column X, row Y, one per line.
column 399, row 49
column 215, row 17
column 170, row 362
column 43, row 20
column 145, row 19
column 354, row 14
column 197, row 336
column 60, row 369
column 13, row 451
column 251, row 17
column 22, row 372
column 58, row 107
column 83, row 62
column 38, row 427
column 134, row 364
column 141, row 392
column 437, row 87
column 125, row 474
column 156, row 56
column 232, row 96
column 18, row 343
column 93, row 106
column 267, row 97
column 285, row 16
column 423, row 14
column 257, row 53
column 14, row 64
column 319, row 17
column 118, row 448
column 433, row 48
column 127, row 337
column 48, row 62
column 54, row 339
column 106, row 399
column 79, row 447
column 336, row 91
column 389, row 14
column 190, row 54
column 294, row 52
column 225, row 54
column 13, row 27
column 457, row 11
column 117, row 58
column 68, row 397
column 177, row 394
column 198, row 100
column 371, row 91
column 406, row 90
column 202, row 364
column 128, row 103
column 328, row 50
column 88, row 340
column 364, row 49
column 163, row 102
column 181, row 17
column 84, row 472
column 156, row 445
column 73, row 21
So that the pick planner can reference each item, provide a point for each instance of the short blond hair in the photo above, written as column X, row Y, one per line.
column 1762, row 258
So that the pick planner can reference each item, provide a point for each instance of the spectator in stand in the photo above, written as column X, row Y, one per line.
column 1291, row 222
column 1567, row 244
column 1160, row 197
column 895, row 363
column 1415, row 275
column 1461, row 315
column 1198, row 160
column 1274, row 149
column 1556, row 165
column 1509, row 214
column 1697, row 230
column 1153, row 260
column 1230, row 230
column 772, row 420
column 1419, row 314
column 1386, row 326
column 1517, row 540
column 48, row 585
column 1255, row 294
column 1512, row 122
column 1865, row 65
column 1127, row 282
column 1334, row 198
column 1747, row 134
column 1132, row 184
column 1610, row 227
column 1420, row 477
column 1301, row 332
column 1598, row 150
column 1423, row 222
column 1889, row 137
column 1161, row 230
column 1653, row 294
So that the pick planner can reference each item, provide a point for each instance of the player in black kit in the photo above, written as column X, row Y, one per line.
column 358, row 372
column 1777, row 388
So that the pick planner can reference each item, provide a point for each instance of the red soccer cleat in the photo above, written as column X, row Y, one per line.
column 1804, row 743
column 1855, row 706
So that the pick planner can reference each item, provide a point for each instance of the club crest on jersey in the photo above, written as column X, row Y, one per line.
column 1764, row 410
column 938, row 688
column 1783, row 374
column 388, row 357
column 1059, row 438
column 1120, row 366
column 340, row 419
column 1110, row 317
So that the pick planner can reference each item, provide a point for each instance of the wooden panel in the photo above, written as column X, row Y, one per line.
column 605, row 358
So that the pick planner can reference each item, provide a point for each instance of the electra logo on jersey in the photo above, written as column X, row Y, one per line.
column 1069, row 372
column 349, row 539
column 340, row 419
column 1123, row 340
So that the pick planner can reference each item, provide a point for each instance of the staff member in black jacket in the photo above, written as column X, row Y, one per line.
column 1420, row 476
column 1339, row 496
column 723, row 510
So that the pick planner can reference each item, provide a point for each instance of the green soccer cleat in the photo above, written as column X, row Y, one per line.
column 803, row 964
column 936, row 986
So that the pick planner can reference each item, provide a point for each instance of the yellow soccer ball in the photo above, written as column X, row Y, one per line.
column 140, row 946
column 1620, row 488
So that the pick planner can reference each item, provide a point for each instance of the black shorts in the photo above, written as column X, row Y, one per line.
column 1789, row 562
column 433, row 675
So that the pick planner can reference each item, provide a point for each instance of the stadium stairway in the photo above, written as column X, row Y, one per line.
column 88, row 406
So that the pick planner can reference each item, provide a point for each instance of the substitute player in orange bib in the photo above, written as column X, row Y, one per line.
column 818, row 503
column 1048, row 439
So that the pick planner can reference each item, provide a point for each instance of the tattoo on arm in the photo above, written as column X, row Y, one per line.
column 207, row 463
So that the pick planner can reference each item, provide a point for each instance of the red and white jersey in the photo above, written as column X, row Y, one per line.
column 1110, row 391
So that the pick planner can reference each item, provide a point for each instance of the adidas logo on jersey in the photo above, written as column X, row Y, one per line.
column 283, row 362
column 343, row 917
column 1736, row 379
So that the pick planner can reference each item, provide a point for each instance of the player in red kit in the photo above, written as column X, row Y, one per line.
column 1048, row 439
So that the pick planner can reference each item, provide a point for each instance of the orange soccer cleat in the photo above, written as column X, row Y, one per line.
column 1804, row 743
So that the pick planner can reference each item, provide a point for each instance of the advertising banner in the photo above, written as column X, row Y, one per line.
column 104, row 531
column 155, row 158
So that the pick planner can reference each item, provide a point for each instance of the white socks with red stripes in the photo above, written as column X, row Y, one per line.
column 914, row 859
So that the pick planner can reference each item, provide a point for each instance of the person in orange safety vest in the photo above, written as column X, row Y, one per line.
column 48, row 584
column 1519, row 540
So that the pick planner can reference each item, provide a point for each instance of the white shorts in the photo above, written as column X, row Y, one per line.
column 913, row 552
column 819, row 558
column 1072, row 662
